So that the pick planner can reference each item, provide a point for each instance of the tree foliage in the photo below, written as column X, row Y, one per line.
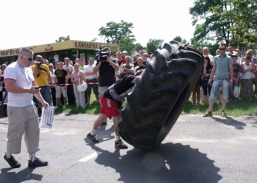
column 63, row 38
column 234, row 21
column 179, row 39
column 120, row 33
column 114, row 32
column 138, row 47
column 127, row 44
column 153, row 44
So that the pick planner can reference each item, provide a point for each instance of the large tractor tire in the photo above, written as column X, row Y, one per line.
column 157, row 99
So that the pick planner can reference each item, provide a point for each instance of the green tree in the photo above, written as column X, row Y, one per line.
column 138, row 47
column 153, row 44
column 114, row 32
column 120, row 33
column 62, row 38
column 179, row 39
column 230, row 20
column 94, row 40
column 127, row 44
column 243, row 18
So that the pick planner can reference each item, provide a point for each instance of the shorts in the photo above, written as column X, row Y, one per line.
column 217, row 83
column 61, row 90
column 102, row 89
column 109, row 107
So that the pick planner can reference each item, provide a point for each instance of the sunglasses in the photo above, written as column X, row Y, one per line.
column 29, row 59
column 222, row 49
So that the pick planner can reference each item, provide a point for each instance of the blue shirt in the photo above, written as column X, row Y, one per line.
column 222, row 66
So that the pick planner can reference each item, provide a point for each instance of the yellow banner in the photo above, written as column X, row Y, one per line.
column 70, row 44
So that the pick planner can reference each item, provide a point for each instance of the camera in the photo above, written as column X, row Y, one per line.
column 38, row 64
column 102, row 54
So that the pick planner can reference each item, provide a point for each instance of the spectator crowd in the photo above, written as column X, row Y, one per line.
column 227, row 76
column 59, row 81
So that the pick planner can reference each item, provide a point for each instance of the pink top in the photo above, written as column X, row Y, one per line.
column 75, row 77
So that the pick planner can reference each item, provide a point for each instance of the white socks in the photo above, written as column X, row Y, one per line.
column 8, row 155
column 93, row 132
column 117, row 138
column 32, row 157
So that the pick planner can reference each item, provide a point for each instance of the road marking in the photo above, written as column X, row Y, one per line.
column 91, row 156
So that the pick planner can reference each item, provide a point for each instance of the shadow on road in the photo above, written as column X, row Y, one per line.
column 169, row 163
column 231, row 122
column 103, row 134
column 7, row 176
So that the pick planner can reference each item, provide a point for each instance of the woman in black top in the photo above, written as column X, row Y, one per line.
column 206, row 77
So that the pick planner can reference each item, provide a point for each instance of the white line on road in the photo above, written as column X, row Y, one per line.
column 91, row 156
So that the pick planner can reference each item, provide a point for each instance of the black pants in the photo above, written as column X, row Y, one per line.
column 70, row 93
column 53, row 93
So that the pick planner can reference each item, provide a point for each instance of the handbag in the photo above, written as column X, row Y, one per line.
column 82, row 87
column 236, row 91
column 252, row 75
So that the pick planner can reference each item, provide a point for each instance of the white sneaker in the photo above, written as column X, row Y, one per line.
column 64, row 107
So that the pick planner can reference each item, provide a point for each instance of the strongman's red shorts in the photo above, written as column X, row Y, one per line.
column 109, row 107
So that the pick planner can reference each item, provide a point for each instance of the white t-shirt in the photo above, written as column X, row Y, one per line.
column 23, row 77
column 248, row 74
column 211, row 58
column 71, row 69
column 89, row 68
column 52, row 76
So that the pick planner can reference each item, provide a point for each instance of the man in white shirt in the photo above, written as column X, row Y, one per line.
column 232, row 51
column 91, row 80
column 69, row 68
column 22, row 115
column 206, row 52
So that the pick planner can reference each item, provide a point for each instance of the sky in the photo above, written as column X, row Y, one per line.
column 34, row 22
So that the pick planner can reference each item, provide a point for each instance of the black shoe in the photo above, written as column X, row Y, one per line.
column 92, row 138
column 208, row 114
column 120, row 145
column 37, row 163
column 104, row 123
column 12, row 162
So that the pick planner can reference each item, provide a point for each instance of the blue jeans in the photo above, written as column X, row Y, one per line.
column 217, row 83
column 46, row 94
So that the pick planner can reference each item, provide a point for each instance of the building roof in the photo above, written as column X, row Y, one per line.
column 64, row 45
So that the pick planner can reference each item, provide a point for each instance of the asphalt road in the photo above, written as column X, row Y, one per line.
column 197, row 149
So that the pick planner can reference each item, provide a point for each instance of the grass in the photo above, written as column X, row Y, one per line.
column 71, row 109
column 93, row 108
column 234, row 108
